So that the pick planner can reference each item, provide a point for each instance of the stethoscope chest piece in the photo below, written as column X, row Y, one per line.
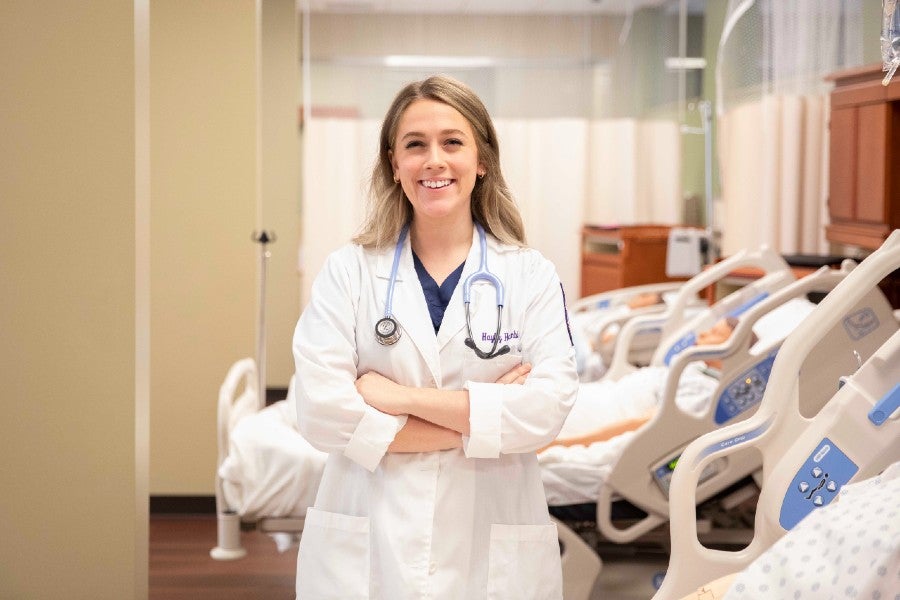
column 387, row 331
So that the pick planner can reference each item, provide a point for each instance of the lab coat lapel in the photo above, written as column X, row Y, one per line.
column 409, row 306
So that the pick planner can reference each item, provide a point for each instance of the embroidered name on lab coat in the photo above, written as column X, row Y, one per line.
column 505, row 336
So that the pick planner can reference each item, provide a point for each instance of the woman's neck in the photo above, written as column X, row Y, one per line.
column 441, row 246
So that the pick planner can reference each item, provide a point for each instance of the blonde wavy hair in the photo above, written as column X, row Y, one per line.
column 492, row 204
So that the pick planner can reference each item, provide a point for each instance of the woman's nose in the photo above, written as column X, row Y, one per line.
column 435, row 158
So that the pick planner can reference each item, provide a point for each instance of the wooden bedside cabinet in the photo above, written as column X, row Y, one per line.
column 617, row 257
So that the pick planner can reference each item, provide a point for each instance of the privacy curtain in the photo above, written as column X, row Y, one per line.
column 772, row 107
column 563, row 172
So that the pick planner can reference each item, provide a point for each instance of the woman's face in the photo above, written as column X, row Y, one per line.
column 436, row 160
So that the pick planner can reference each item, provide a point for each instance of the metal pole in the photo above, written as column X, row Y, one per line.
column 706, row 115
column 263, row 238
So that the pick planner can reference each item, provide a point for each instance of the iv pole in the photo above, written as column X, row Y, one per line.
column 263, row 238
column 705, row 130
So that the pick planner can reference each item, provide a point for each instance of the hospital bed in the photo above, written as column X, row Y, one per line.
column 849, row 548
column 641, row 330
column 775, row 273
column 597, row 319
column 807, row 455
column 267, row 474
column 641, row 476
column 641, row 467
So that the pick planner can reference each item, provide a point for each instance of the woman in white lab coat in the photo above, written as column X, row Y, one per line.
column 432, row 487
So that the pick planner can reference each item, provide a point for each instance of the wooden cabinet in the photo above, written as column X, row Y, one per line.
column 864, row 158
column 617, row 257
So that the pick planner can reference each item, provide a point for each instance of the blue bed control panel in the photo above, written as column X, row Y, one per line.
column 816, row 483
column 745, row 391
column 662, row 472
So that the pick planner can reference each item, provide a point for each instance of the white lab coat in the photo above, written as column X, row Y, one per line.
column 462, row 524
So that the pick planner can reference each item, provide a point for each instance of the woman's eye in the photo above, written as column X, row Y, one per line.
column 454, row 141
column 413, row 144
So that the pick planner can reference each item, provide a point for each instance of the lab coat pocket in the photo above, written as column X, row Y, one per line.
column 524, row 563
column 481, row 370
column 333, row 561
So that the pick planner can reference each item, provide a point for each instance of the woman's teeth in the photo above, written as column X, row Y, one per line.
column 437, row 184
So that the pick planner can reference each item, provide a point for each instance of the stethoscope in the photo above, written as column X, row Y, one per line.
column 387, row 330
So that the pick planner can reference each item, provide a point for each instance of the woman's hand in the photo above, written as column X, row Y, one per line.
column 517, row 374
column 382, row 393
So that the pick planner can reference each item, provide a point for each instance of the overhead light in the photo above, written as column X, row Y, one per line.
column 677, row 63
column 410, row 61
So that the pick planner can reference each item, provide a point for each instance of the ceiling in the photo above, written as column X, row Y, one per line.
column 599, row 7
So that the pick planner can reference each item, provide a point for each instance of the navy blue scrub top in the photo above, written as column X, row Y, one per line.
column 437, row 297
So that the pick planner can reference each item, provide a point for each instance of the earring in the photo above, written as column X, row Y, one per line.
column 396, row 179
column 481, row 176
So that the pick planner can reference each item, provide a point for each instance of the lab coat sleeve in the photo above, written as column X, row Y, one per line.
column 331, row 414
column 506, row 419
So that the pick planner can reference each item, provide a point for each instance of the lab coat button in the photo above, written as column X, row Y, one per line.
column 432, row 568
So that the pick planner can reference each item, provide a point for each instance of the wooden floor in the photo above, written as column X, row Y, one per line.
column 181, row 568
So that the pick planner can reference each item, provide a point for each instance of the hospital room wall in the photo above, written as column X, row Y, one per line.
column 205, row 56
column 74, row 190
column 203, row 177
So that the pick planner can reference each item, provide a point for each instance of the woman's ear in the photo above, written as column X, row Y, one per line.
column 393, row 165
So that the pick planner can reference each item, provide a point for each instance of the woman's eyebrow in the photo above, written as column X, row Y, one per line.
column 458, row 132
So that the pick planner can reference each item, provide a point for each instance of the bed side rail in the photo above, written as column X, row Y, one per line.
column 781, row 433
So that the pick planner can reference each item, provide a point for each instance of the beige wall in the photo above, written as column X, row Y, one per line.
column 204, row 115
column 281, row 181
column 203, row 177
column 73, row 521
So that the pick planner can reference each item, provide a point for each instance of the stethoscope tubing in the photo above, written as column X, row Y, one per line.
column 482, row 274
column 398, row 250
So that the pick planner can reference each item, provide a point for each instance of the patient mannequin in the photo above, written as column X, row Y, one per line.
column 645, row 299
column 719, row 333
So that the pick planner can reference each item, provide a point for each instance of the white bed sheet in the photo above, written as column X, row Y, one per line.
column 271, row 470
